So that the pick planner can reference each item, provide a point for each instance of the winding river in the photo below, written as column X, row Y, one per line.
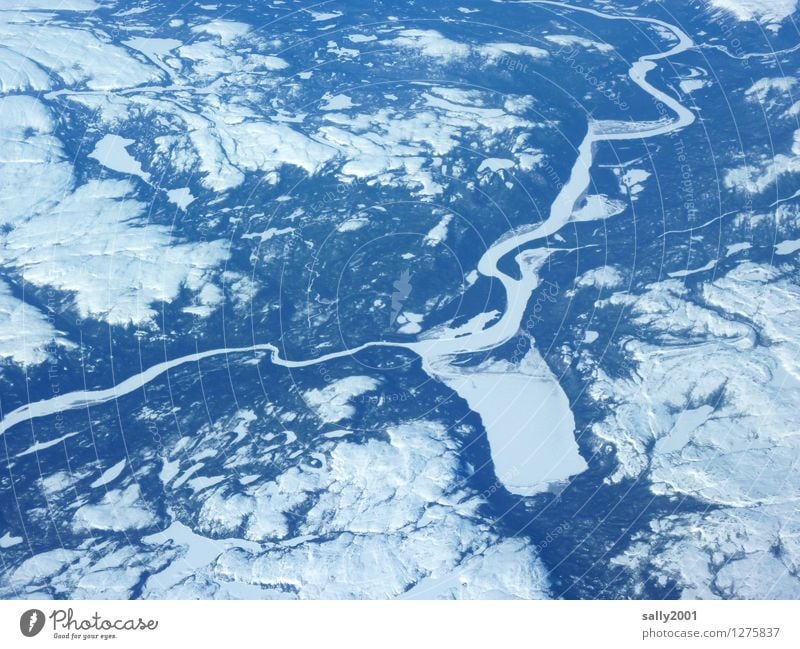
column 439, row 348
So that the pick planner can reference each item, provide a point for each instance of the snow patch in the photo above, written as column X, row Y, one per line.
column 333, row 402
column 763, row 11
column 110, row 474
column 430, row 43
column 119, row 510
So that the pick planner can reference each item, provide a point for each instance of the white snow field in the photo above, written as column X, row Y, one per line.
column 724, row 433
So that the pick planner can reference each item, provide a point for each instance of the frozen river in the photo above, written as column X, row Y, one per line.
column 526, row 414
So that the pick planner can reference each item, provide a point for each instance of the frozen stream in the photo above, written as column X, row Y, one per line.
column 524, row 410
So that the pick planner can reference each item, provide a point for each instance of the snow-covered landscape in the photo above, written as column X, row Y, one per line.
column 367, row 300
